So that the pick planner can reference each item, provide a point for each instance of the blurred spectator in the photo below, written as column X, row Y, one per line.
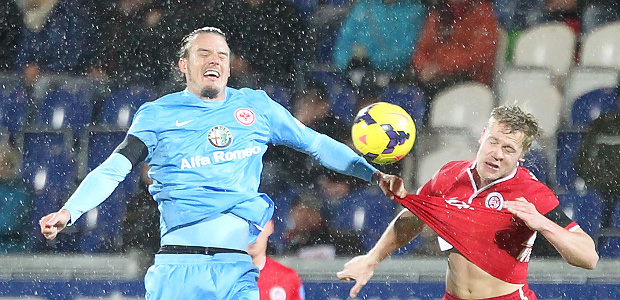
column 458, row 43
column 595, row 13
column 276, row 281
column 15, row 203
column 308, row 235
column 313, row 109
column 598, row 161
column 517, row 15
column 267, row 40
column 382, row 32
column 129, row 43
column 565, row 11
column 141, row 225
column 10, row 24
column 57, row 37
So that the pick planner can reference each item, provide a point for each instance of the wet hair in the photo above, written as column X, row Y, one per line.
column 515, row 119
column 186, row 43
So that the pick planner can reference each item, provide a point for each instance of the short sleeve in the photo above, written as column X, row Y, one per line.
column 143, row 127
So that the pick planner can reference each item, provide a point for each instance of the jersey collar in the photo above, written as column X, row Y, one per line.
column 472, row 169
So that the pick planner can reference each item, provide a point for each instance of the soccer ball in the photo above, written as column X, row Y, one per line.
column 383, row 132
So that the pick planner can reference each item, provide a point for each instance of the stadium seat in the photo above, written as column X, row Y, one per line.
column 442, row 146
column 516, row 79
column 13, row 103
column 66, row 102
column 411, row 98
column 102, row 226
column 537, row 162
column 366, row 211
column 49, row 169
column 608, row 246
column 118, row 109
column 568, row 144
column 583, row 206
column 591, row 105
column 342, row 98
column 466, row 105
column 549, row 45
column 544, row 102
column 601, row 47
column 500, row 55
column 280, row 94
column 585, row 79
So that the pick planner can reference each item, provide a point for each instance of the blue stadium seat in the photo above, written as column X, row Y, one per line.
column 306, row 7
column 584, row 207
column 608, row 246
column 103, row 225
column 568, row 143
column 536, row 161
column 367, row 211
column 410, row 97
column 67, row 103
column 280, row 94
column 591, row 105
column 281, row 215
column 49, row 168
column 118, row 109
column 342, row 97
column 13, row 103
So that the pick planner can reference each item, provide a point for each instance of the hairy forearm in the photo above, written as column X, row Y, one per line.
column 577, row 248
column 404, row 228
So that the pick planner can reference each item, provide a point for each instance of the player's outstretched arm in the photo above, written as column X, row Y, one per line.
column 404, row 228
column 576, row 247
column 54, row 223
column 391, row 185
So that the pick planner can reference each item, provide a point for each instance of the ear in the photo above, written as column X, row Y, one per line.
column 484, row 130
column 183, row 65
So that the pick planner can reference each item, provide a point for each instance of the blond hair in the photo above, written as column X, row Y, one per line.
column 515, row 120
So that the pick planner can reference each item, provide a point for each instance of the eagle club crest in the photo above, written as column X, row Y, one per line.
column 494, row 200
column 219, row 136
column 245, row 116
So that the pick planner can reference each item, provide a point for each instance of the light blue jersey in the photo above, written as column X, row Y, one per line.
column 205, row 157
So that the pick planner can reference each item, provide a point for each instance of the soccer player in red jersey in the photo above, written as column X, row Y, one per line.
column 487, row 212
column 276, row 281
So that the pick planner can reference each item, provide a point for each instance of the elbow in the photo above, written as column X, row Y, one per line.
column 588, row 264
column 592, row 263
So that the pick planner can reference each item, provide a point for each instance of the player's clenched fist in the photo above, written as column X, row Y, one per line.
column 53, row 223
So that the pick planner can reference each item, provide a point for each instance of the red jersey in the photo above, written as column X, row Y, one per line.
column 279, row 282
column 472, row 219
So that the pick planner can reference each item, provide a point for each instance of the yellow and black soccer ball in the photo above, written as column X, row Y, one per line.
column 383, row 132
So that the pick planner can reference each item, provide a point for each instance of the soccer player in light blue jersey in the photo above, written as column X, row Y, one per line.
column 204, row 146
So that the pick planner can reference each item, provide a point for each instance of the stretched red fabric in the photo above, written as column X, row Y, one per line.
column 492, row 239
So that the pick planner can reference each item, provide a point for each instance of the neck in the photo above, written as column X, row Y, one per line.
column 259, row 260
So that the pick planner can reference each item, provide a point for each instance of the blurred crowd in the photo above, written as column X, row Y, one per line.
column 322, row 59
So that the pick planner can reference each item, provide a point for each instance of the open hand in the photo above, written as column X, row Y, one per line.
column 360, row 269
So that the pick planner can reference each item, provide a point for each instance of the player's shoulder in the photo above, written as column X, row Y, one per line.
column 247, row 94
column 161, row 102
column 529, row 181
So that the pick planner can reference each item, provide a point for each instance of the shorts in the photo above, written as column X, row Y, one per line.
column 523, row 293
column 221, row 276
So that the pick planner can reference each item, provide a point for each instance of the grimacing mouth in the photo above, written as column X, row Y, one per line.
column 212, row 73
